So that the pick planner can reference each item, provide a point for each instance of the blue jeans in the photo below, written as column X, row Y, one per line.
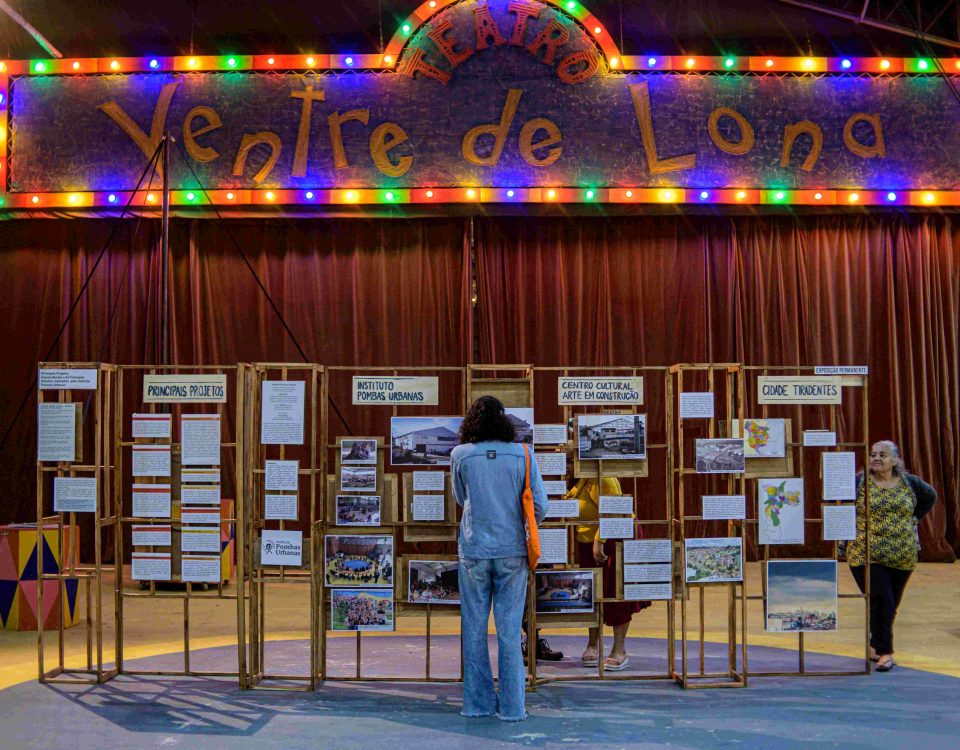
column 504, row 581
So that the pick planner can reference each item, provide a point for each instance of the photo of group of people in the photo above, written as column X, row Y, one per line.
column 358, row 478
column 358, row 510
column 564, row 591
column 433, row 582
column 361, row 609
column 358, row 560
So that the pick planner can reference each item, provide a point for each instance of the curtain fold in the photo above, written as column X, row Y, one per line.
column 881, row 290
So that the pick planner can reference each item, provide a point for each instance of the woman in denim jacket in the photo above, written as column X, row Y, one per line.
column 488, row 471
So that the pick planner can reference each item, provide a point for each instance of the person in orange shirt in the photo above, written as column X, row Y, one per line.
column 597, row 553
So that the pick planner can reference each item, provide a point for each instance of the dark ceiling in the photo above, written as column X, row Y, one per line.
column 165, row 27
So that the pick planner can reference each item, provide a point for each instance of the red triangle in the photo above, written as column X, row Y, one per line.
column 51, row 604
column 8, row 567
column 28, row 605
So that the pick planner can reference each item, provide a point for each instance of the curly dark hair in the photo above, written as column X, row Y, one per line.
column 487, row 420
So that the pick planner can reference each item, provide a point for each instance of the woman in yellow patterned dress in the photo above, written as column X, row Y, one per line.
column 898, row 501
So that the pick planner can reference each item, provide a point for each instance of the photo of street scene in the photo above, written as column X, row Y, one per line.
column 714, row 560
column 720, row 456
column 611, row 436
column 801, row 596
column 423, row 440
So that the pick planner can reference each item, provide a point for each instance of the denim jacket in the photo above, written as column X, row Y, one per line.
column 488, row 480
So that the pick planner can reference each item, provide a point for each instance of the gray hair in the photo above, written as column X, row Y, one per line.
column 898, row 468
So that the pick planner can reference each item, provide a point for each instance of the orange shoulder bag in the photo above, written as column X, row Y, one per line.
column 530, row 518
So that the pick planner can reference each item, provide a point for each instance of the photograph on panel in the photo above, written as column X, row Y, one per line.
column 358, row 478
column 354, row 451
column 358, row 560
column 720, row 456
column 433, row 581
column 612, row 436
column 423, row 440
column 564, row 591
column 361, row 609
column 714, row 560
column 801, row 595
column 358, row 510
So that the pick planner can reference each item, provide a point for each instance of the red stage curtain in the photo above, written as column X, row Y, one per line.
column 355, row 292
column 878, row 290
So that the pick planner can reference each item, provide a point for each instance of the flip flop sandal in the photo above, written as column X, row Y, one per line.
column 886, row 666
column 609, row 665
column 590, row 662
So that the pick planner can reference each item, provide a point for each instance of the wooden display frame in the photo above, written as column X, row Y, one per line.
column 662, row 453
column 104, row 469
column 311, row 471
column 859, row 442
column 429, row 531
column 186, row 593
column 395, row 521
column 729, row 377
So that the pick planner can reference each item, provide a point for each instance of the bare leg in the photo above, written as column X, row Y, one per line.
column 619, row 650
column 591, row 652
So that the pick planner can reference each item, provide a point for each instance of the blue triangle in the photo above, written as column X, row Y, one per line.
column 49, row 560
column 71, row 585
column 8, row 590
column 29, row 572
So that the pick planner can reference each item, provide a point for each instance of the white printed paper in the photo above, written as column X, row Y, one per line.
column 554, row 487
column 75, row 494
column 200, row 439
column 616, row 504
column 151, row 500
column 647, row 592
column 201, row 494
column 428, row 481
column 200, row 569
column 722, row 507
column 819, row 438
column 150, row 566
column 56, row 431
column 648, row 551
column 374, row 390
column 656, row 572
column 67, row 379
column 553, row 546
column 551, row 464
column 151, row 461
column 563, row 509
column 839, row 523
column 280, row 507
column 792, row 389
column 427, row 507
column 281, row 413
column 200, row 539
column 205, row 516
column 695, row 405
column 281, row 547
column 185, row 388
column 839, row 475
column 841, row 370
column 282, row 476
column 200, row 476
column 151, row 536
column 616, row 528
column 549, row 434
column 152, row 426
column 606, row 391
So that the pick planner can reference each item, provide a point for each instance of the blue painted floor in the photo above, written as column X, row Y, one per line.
column 902, row 709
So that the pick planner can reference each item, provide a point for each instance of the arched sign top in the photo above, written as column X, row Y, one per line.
column 428, row 21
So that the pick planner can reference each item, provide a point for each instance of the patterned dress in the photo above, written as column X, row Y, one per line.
column 893, row 531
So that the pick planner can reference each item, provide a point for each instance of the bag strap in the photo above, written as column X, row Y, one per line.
column 526, row 454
